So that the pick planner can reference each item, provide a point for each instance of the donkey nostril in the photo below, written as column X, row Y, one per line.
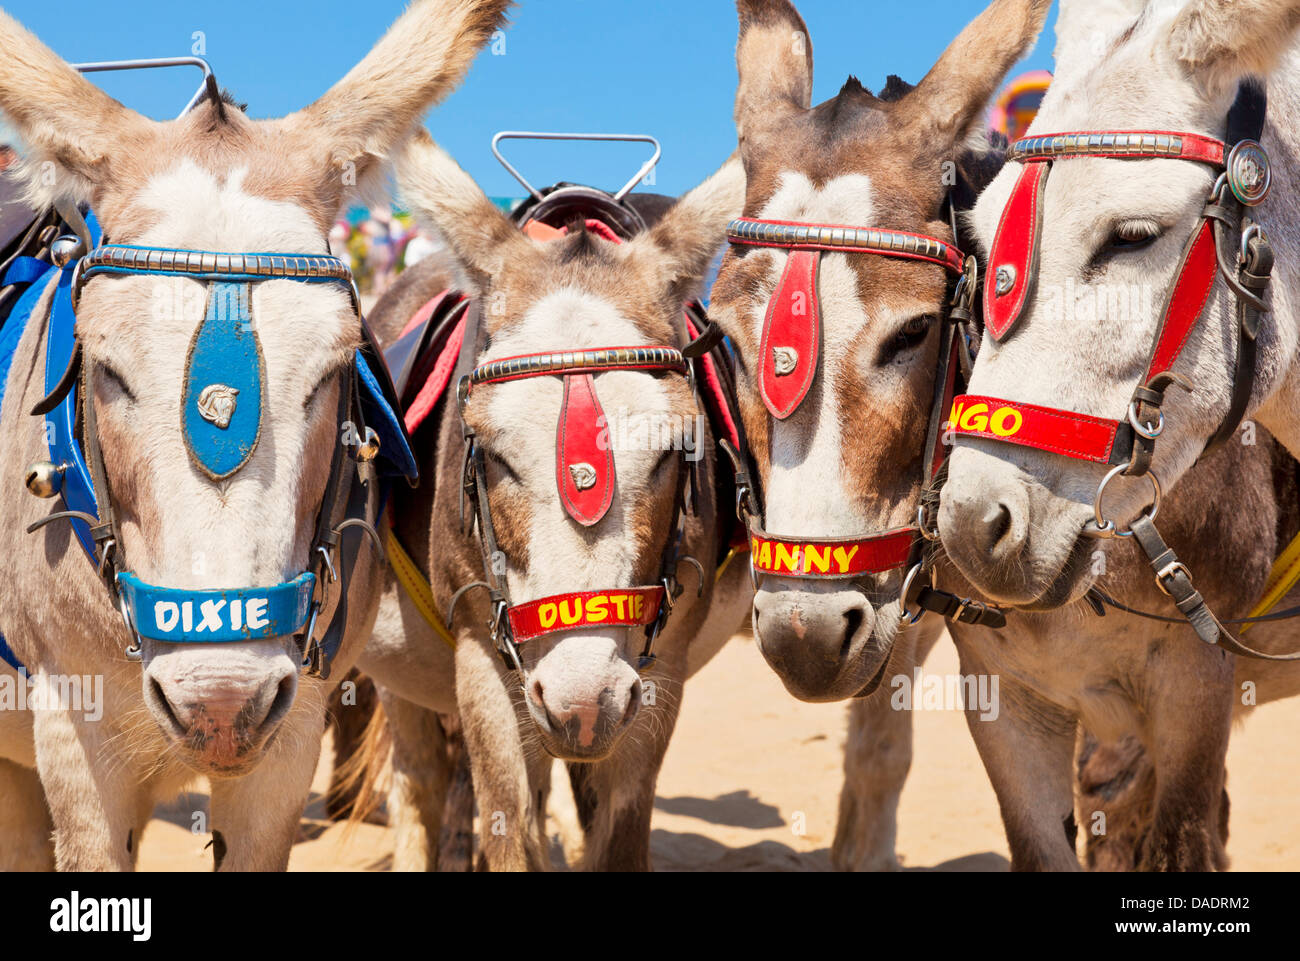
column 998, row 523
column 852, row 621
column 633, row 704
column 160, row 698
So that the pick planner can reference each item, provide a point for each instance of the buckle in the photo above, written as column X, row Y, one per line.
column 1168, row 572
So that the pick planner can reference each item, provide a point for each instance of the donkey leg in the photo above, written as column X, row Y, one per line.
column 1189, row 709
column 1028, row 753
column 491, row 726
column 456, row 841
column 1117, row 787
column 347, row 719
column 877, row 757
column 94, row 793
column 255, row 817
column 25, row 823
column 421, row 775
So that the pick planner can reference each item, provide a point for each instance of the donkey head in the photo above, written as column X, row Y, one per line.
column 849, row 459
column 1112, row 233
column 573, row 293
column 216, row 180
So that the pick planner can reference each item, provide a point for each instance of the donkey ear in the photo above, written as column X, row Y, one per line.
column 446, row 198
column 417, row 63
column 774, row 58
column 689, row 235
column 958, row 88
column 60, row 115
column 1221, row 42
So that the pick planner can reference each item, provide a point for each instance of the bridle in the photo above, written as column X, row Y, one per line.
column 789, row 361
column 1127, row 445
column 585, row 488
column 221, row 424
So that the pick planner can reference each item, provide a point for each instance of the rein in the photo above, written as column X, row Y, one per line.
column 1127, row 445
column 789, row 362
column 221, row 424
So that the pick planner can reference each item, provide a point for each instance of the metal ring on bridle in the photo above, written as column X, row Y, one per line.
column 1148, row 431
column 1254, row 230
column 1108, row 528
column 907, row 616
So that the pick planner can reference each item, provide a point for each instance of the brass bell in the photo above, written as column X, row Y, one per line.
column 44, row 479
column 65, row 249
column 368, row 449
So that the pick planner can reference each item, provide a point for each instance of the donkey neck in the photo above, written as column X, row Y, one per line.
column 1280, row 359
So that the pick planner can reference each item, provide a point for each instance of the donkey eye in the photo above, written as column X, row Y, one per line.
column 1134, row 235
column 314, row 395
column 502, row 465
column 116, row 381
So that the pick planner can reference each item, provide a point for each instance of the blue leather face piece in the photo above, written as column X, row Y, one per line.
column 221, row 410
column 395, row 455
column 214, row 617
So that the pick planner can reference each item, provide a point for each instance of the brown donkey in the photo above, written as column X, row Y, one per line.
column 539, row 543
column 850, row 457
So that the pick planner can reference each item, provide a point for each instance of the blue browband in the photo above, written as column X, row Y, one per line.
column 223, row 401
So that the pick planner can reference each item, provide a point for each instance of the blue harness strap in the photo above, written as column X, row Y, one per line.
column 215, row 617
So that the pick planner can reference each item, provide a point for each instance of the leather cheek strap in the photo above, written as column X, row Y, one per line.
column 791, row 336
column 1013, row 263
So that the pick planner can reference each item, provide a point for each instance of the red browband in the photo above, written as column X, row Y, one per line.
column 627, row 607
column 831, row 558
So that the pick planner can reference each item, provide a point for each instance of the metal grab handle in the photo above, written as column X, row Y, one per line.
column 199, row 62
column 648, row 166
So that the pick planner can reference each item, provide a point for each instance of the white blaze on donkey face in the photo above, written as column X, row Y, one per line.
column 818, row 636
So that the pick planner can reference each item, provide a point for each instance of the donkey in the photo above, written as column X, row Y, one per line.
column 583, row 694
column 879, row 163
column 1021, row 523
column 213, row 180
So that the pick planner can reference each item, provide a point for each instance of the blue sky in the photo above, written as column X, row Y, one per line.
column 663, row 67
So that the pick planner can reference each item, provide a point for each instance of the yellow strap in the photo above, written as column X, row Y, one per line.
column 1284, row 576
column 417, row 588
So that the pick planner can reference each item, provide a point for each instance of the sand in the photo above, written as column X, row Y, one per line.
column 749, row 766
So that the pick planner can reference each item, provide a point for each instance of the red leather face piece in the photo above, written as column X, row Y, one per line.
column 1043, row 428
column 1191, row 290
column 628, row 607
column 584, row 473
column 833, row 558
column 791, row 336
column 1013, row 261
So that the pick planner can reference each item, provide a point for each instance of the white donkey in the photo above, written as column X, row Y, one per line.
column 1087, row 244
column 199, row 487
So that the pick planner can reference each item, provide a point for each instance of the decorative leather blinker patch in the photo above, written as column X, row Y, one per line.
column 221, row 406
column 584, row 473
column 791, row 336
column 1013, row 264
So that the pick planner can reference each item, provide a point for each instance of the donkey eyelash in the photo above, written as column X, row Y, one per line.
column 314, row 393
column 502, row 464
column 117, row 380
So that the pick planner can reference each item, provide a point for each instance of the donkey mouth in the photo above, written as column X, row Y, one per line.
column 1071, row 582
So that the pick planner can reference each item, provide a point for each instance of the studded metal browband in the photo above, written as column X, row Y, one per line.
column 206, row 265
column 1183, row 146
column 839, row 239
column 579, row 361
